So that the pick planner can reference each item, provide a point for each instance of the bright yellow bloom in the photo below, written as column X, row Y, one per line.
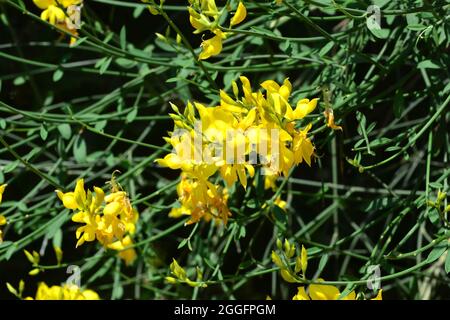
column 65, row 292
column 2, row 190
column 128, row 255
column 239, row 16
column 65, row 14
column 326, row 292
column 212, row 47
column 230, row 139
column 204, row 16
column 201, row 199
column 110, row 218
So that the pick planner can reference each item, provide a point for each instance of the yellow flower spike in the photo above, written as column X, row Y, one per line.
column 239, row 16
column 211, row 47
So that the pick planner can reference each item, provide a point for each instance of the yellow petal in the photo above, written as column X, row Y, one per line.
column 323, row 292
column 239, row 16
column 379, row 295
column 211, row 47
column 301, row 294
column 2, row 220
column 68, row 199
column 304, row 107
column 44, row 4
column 112, row 208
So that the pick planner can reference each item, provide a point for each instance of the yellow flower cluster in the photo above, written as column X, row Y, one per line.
column 65, row 292
column 64, row 14
column 204, row 16
column 108, row 218
column 3, row 220
column 230, row 139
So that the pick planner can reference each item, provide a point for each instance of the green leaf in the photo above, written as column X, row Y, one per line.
column 399, row 103
column 138, row 11
column 264, row 31
column 125, row 63
column 65, row 130
column 99, row 126
column 78, row 42
column 326, row 48
column 57, row 238
column 437, row 252
column 19, row 81
column 57, row 75
column 79, row 150
column 323, row 262
column 428, row 64
column 11, row 166
column 380, row 33
column 416, row 27
column 123, row 38
column 182, row 243
column 447, row 262
column 132, row 115
column 103, row 64
column 43, row 132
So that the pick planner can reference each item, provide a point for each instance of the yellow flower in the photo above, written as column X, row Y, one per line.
column 379, row 295
column 2, row 190
column 326, row 292
column 212, row 46
column 53, row 15
column 302, row 147
column 322, row 292
column 3, row 220
column 107, row 218
column 303, row 108
column 2, row 223
column 239, row 16
column 234, row 136
column 201, row 199
column 129, row 254
column 204, row 16
column 65, row 292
